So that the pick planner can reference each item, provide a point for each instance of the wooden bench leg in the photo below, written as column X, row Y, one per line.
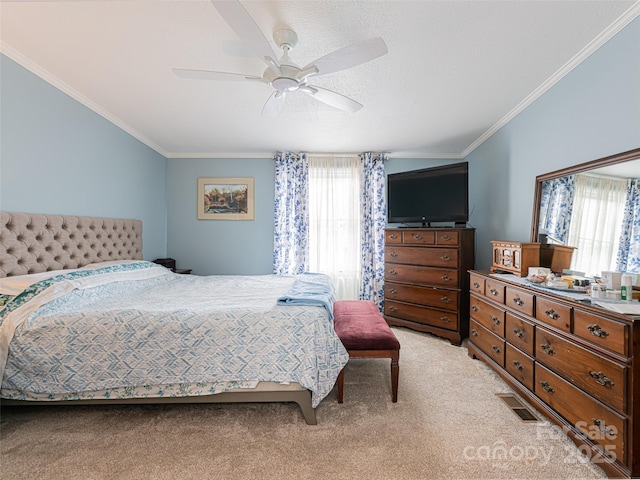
column 341, row 385
column 395, row 373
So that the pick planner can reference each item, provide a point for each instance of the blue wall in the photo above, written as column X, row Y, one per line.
column 222, row 247
column 592, row 113
column 59, row 157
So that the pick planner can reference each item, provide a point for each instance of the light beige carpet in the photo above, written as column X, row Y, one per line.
column 448, row 424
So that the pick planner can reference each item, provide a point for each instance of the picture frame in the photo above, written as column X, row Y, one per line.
column 225, row 198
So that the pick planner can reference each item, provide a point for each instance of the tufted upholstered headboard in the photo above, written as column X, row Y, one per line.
column 32, row 243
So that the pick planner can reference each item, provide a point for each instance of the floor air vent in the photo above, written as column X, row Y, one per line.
column 517, row 407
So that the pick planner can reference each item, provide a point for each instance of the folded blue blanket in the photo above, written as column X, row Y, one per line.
column 311, row 289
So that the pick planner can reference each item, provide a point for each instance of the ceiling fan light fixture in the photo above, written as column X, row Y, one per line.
column 285, row 84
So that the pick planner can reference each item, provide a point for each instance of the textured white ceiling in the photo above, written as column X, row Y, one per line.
column 455, row 71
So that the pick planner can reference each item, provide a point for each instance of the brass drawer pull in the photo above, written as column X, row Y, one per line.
column 546, row 387
column 552, row 314
column 603, row 427
column 601, row 378
column 417, row 236
column 446, row 237
column 496, row 348
column 445, row 319
column 393, row 236
column 393, row 254
column 446, row 258
column 519, row 332
column 392, row 308
column 474, row 332
column 474, row 308
column 476, row 285
column 518, row 365
column 445, row 300
column 597, row 331
column 446, row 278
column 392, row 272
column 518, row 301
column 393, row 291
column 496, row 320
column 547, row 349
column 494, row 292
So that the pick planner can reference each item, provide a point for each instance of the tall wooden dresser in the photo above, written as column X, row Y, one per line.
column 577, row 364
column 426, row 281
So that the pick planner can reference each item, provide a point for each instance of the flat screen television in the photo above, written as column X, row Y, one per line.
column 437, row 194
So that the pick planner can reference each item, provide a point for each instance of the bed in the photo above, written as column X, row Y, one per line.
column 85, row 320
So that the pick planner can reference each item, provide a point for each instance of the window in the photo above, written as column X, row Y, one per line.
column 598, row 210
column 334, row 221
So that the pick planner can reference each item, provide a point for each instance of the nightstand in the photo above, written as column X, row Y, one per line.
column 170, row 263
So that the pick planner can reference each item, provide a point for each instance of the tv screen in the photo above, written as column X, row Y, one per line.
column 438, row 194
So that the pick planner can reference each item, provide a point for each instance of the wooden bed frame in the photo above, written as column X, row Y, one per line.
column 34, row 243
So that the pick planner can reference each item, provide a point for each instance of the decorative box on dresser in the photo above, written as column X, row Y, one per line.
column 577, row 364
column 426, row 281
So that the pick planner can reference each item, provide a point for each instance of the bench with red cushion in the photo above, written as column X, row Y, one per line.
column 365, row 334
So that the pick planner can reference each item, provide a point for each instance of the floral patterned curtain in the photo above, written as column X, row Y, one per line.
column 291, row 214
column 373, row 206
column 556, row 206
column 628, row 259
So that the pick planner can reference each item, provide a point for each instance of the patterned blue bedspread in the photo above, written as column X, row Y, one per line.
column 112, row 331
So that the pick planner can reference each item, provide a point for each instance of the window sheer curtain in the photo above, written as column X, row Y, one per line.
column 629, row 250
column 334, row 221
column 597, row 209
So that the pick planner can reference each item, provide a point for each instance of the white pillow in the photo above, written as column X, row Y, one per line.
column 15, row 285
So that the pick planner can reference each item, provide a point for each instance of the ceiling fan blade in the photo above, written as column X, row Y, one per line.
column 332, row 98
column 274, row 104
column 349, row 56
column 212, row 75
column 246, row 28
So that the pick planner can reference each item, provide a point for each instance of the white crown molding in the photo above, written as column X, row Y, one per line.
column 220, row 155
column 625, row 19
column 17, row 57
column 595, row 44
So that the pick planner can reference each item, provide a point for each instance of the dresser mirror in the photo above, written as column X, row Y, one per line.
column 622, row 166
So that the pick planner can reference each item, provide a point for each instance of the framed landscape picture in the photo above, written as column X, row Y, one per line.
column 225, row 198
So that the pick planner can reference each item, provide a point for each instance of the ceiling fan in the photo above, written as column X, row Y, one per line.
column 283, row 74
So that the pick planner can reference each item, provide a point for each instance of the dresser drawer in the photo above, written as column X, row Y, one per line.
column 446, row 237
column 519, row 366
column 494, row 290
column 432, row 297
column 445, row 277
column 599, row 423
column 602, row 331
column 520, row 333
column 488, row 342
column 430, row 257
column 519, row 300
column 419, row 237
column 423, row 315
column 392, row 236
column 553, row 313
column 595, row 374
column 488, row 315
column 476, row 284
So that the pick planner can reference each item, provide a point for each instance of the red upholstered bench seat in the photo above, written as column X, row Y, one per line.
column 365, row 334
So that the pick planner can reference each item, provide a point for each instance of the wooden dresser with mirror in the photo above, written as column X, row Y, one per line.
column 578, row 364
